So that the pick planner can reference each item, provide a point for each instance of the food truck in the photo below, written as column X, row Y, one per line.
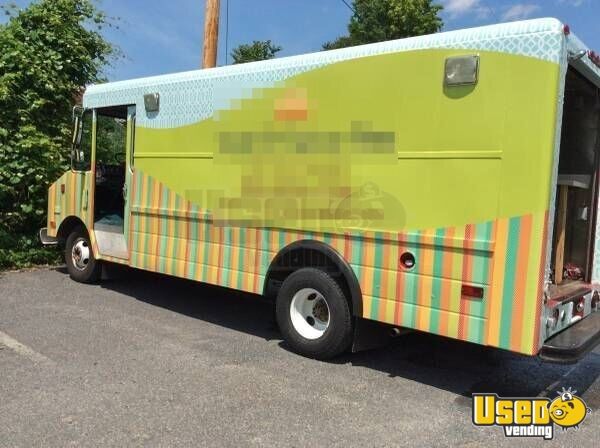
column 445, row 183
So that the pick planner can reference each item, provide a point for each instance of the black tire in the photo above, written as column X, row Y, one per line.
column 82, row 271
column 337, row 337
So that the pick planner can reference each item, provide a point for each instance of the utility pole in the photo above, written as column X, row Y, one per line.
column 211, row 34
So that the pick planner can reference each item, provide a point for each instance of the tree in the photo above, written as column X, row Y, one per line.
column 259, row 50
column 49, row 52
column 379, row 20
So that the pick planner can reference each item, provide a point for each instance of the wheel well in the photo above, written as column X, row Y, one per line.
column 67, row 226
column 314, row 254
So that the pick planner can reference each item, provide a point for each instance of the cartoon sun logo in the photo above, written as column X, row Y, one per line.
column 568, row 410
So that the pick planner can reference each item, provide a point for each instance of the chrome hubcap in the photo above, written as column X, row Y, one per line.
column 80, row 254
column 309, row 313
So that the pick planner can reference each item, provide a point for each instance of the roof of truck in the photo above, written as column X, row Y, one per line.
column 194, row 95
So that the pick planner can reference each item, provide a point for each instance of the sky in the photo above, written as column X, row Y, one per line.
column 158, row 36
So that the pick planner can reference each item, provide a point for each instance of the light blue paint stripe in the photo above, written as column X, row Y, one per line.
column 175, row 236
column 164, row 227
column 378, row 260
column 193, row 242
column 436, row 287
column 281, row 239
column 136, row 217
column 265, row 257
column 509, row 281
column 226, row 261
column 480, row 272
column 411, row 286
column 476, row 325
column 478, row 307
column 242, row 251
column 147, row 224
column 206, row 249
column 357, row 252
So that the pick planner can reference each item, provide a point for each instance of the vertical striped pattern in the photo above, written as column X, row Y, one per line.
column 516, row 297
column 541, row 277
column 77, row 199
column 504, row 257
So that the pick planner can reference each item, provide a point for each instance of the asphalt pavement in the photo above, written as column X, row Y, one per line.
column 148, row 360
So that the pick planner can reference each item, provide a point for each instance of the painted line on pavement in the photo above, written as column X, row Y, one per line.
column 23, row 350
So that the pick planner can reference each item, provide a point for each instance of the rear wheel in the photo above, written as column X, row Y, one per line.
column 79, row 257
column 313, row 314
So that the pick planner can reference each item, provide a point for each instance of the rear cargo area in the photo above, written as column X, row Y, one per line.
column 577, row 190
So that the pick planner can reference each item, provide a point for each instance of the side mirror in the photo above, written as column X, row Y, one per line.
column 77, row 111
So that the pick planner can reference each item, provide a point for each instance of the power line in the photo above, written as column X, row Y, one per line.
column 227, row 33
column 349, row 6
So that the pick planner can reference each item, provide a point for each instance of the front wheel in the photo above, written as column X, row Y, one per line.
column 313, row 314
column 79, row 257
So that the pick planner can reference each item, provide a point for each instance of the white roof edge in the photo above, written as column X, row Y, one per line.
column 541, row 25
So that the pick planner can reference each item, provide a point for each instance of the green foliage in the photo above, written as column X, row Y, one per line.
column 23, row 251
column 48, row 53
column 380, row 20
column 259, row 50
column 110, row 140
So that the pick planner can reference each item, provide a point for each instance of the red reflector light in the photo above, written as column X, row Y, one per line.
column 53, row 224
column 62, row 188
column 567, row 30
column 475, row 292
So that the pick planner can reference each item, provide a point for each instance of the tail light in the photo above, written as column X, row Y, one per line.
column 474, row 292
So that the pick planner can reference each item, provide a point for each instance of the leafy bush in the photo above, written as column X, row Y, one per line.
column 379, row 20
column 49, row 52
column 258, row 50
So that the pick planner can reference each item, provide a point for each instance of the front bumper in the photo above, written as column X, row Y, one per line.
column 573, row 343
column 45, row 239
